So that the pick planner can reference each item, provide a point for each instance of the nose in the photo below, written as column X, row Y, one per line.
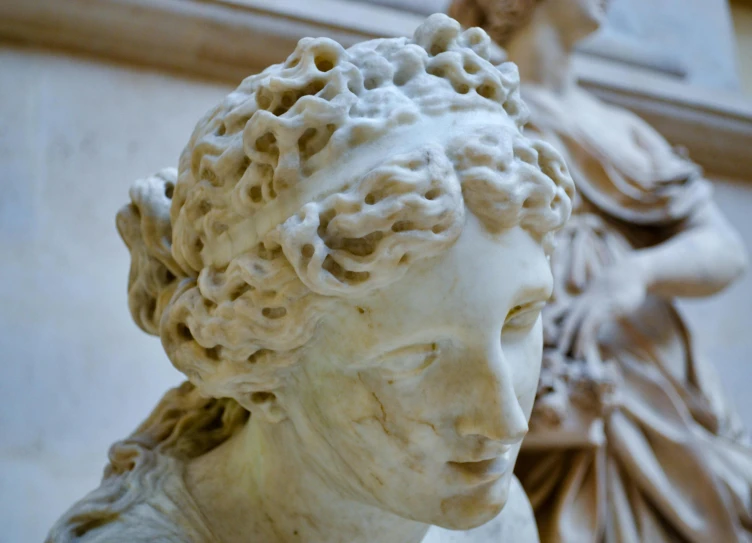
column 493, row 410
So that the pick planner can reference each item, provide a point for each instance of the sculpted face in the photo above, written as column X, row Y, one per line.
column 415, row 398
column 354, row 250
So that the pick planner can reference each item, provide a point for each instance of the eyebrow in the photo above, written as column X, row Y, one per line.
column 414, row 348
column 422, row 347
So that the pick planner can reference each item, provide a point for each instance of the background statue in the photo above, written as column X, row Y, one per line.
column 349, row 265
column 630, row 438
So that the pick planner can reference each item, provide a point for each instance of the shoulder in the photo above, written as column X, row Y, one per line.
column 146, row 504
column 127, row 529
column 143, row 496
column 619, row 163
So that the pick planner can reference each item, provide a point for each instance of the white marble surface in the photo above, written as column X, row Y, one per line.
column 721, row 324
column 69, row 151
column 377, row 317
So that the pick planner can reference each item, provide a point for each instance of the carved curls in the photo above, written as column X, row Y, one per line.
column 234, row 327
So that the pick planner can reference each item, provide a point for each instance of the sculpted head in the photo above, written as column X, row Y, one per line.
column 502, row 19
column 355, row 244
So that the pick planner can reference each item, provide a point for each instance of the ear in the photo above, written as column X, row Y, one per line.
column 265, row 405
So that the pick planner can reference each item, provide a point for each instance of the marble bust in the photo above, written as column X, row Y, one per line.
column 349, row 265
column 631, row 437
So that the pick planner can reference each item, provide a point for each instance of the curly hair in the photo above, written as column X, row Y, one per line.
column 320, row 178
column 499, row 18
column 289, row 196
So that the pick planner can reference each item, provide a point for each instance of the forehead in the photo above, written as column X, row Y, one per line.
column 462, row 293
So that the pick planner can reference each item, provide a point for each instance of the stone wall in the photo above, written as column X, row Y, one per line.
column 691, row 40
column 77, row 374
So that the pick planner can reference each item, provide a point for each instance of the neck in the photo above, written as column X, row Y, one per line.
column 543, row 53
column 262, row 486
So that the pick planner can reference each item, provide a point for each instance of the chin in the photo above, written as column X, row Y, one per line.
column 585, row 29
column 597, row 19
column 587, row 17
column 474, row 508
column 596, row 15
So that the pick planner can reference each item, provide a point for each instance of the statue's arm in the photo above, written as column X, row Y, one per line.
column 704, row 256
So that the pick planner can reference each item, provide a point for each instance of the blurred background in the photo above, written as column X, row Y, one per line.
column 97, row 94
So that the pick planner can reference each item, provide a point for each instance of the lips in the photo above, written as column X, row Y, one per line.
column 488, row 453
column 482, row 471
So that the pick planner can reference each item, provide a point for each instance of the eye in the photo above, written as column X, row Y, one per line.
column 409, row 361
column 522, row 317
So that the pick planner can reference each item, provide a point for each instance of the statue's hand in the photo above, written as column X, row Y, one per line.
column 618, row 291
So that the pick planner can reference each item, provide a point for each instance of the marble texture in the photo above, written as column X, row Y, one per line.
column 58, row 104
column 632, row 438
column 349, row 265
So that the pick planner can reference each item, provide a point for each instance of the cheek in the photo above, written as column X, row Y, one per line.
column 323, row 403
column 353, row 413
column 406, row 409
column 524, row 356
